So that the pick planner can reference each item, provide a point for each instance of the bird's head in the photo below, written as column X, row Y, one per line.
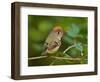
column 58, row 30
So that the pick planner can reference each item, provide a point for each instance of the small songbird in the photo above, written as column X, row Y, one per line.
column 53, row 41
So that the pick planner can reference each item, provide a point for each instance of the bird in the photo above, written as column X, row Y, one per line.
column 53, row 41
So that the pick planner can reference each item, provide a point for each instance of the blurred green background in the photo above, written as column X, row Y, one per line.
column 75, row 31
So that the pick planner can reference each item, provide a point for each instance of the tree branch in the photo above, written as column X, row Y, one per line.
column 68, row 48
column 65, row 58
column 39, row 57
column 55, row 57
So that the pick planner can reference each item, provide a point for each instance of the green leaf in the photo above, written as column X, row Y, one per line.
column 79, row 46
column 73, row 31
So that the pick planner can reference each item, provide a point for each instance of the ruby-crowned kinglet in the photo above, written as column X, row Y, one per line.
column 53, row 41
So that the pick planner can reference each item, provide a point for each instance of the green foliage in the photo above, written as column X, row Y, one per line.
column 75, row 33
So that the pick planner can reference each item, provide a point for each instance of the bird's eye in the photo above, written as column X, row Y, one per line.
column 58, row 32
